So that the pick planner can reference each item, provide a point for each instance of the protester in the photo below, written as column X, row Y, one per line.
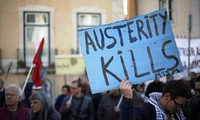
column 96, row 99
column 155, row 86
column 42, row 108
column 192, row 76
column 107, row 109
column 195, row 102
column 169, row 78
column 138, row 94
column 2, row 93
column 13, row 109
column 65, row 92
column 77, row 106
column 161, row 106
column 36, row 89
column 27, row 94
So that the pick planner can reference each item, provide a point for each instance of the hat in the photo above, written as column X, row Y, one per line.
column 36, row 88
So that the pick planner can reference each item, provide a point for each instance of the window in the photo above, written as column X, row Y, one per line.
column 169, row 5
column 86, row 20
column 36, row 26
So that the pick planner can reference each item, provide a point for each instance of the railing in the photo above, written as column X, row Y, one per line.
column 24, row 59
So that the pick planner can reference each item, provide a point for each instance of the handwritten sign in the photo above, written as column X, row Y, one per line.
column 69, row 65
column 182, row 45
column 142, row 48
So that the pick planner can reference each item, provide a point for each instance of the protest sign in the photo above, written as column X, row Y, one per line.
column 182, row 45
column 142, row 48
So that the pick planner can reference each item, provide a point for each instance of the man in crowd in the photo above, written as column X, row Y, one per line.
column 193, row 76
column 195, row 102
column 13, row 109
column 2, row 93
column 108, row 106
column 65, row 92
column 161, row 106
column 77, row 106
column 155, row 86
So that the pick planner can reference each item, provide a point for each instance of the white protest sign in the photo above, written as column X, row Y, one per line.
column 182, row 45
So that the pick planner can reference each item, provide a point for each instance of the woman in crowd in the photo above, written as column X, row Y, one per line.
column 42, row 108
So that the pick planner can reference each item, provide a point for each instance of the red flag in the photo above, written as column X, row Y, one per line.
column 38, row 63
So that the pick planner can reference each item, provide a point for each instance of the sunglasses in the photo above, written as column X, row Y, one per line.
column 178, row 104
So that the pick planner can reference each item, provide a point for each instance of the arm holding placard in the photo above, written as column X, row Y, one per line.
column 128, row 111
column 127, row 105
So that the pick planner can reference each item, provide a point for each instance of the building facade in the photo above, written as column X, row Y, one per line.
column 24, row 23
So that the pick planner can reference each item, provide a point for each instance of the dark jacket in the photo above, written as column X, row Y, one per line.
column 47, row 110
column 21, row 113
column 195, row 108
column 106, row 110
column 145, row 111
column 2, row 97
column 86, row 108
column 52, row 116
column 59, row 101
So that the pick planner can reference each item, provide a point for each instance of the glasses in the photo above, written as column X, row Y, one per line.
column 11, row 95
column 178, row 104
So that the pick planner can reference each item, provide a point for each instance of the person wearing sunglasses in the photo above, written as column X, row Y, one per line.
column 161, row 106
column 195, row 102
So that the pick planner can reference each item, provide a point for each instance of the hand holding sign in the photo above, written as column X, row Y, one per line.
column 69, row 102
column 125, row 88
column 142, row 48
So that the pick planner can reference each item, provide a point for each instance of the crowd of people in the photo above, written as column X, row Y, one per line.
column 173, row 100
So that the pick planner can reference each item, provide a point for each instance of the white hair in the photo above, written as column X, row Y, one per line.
column 19, row 90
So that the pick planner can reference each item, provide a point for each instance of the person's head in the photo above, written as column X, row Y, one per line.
column 40, row 105
column 157, row 80
column 114, row 92
column 1, row 84
column 192, row 75
column 169, row 77
column 65, row 90
column 36, row 89
column 197, row 86
column 76, row 87
column 139, row 87
column 40, row 102
column 12, row 95
column 175, row 95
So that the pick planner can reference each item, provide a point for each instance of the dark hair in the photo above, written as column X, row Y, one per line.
column 193, row 73
column 67, row 87
column 177, row 88
column 197, row 79
column 79, row 83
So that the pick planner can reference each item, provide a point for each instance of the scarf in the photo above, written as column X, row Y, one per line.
column 160, row 114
